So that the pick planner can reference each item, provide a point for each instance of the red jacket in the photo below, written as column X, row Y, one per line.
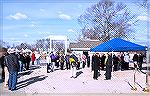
column 33, row 57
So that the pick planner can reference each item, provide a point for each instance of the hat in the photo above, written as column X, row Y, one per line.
column 11, row 51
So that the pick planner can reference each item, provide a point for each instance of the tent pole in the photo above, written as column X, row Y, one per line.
column 112, row 61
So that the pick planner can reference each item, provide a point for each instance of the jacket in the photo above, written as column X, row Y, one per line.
column 11, row 62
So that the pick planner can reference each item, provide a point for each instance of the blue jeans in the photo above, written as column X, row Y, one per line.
column 38, row 61
column 20, row 66
column 12, row 81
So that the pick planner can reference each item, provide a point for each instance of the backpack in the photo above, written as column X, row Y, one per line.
column 72, row 60
column 74, row 57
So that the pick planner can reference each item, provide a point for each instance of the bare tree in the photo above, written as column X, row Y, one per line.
column 23, row 46
column 4, row 44
column 106, row 20
column 143, row 3
column 39, row 44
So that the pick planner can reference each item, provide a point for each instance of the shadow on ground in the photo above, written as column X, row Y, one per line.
column 24, row 73
column 78, row 73
column 29, row 81
column 146, row 68
column 34, row 67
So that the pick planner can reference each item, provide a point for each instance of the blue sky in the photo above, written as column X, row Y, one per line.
column 31, row 20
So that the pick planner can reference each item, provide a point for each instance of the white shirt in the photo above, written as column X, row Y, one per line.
column 126, row 58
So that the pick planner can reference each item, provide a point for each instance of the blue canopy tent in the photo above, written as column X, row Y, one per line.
column 117, row 45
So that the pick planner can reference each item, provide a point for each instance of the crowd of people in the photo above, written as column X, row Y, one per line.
column 13, row 62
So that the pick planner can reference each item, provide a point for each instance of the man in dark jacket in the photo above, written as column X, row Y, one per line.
column 108, row 67
column 67, row 61
column 141, row 56
column 135, row 60
column 12, row 63
column 96, row 62
column 88, row 61
column 28, row 59
column 103, row 61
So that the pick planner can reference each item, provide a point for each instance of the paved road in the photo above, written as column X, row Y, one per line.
column 37, row 81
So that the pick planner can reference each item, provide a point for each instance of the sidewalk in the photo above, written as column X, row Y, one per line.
column 37, row 81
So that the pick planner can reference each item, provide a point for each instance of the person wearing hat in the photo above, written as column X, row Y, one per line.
column 12, row 63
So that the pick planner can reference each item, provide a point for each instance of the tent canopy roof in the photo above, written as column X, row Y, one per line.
column 117, row 45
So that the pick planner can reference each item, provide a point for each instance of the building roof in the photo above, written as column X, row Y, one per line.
column 87, row 44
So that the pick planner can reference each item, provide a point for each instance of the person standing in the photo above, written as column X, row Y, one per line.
column 126, row 61
column 140, row 61
column 2, row 66
column 79, row 61
column 3, row 53
column 67, row 61
column 38, row 56
column 28, row 59
column 21, row 61
column 103, row 61
column 115, row 62
column 83, row 61
column 108, row 67
column 33, row 57
column 62, row 60
column 135, row 60
column 92, row 65
column 6, row 73
column 48, row 61
column 96, row 62
column 73, row 62
column 88, row 61
column 12, row 63
column 122, row 61
column 53, row 59
column 57, row 60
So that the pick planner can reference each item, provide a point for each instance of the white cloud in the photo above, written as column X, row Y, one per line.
column 59, row 12
column 45, row 33
column 17, row 16
column 65, row 17
column 143, row 18
column 70, row 30
column 32, row 25
column 25, row 35
column 42, row 10
column 80, row 6
column 33, row 22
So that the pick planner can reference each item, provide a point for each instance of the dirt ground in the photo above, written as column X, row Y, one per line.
column 37, row 81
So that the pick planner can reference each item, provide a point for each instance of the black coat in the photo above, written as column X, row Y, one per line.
column 12, row 63
column 135, row 57
column 108, row 67
column 141, row 58
column 103, row 59
column 96, row 62
column 28, row 59
column 2, row 61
